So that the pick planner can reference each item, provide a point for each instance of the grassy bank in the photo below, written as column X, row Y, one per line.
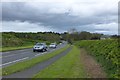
column 105, row 52
column 68, row 66
column 15, row 41
column 29, row 63
column 27, row 44
column 15, row 48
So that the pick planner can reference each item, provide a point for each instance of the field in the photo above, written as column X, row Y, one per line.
column 105, row 52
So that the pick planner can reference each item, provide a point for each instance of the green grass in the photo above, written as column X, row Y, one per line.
column 29, row 63
column 25, row 45
column 106, row 52
column 15, row 48
column 68, row 66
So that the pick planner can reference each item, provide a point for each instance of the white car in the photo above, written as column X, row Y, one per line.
column 53, row 45
column 40, row 47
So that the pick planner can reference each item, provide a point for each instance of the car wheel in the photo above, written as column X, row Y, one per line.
column 33, row 50
column 43, row 50
column 46, row 49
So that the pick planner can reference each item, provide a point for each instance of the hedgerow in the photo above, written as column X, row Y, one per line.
column 105, row 52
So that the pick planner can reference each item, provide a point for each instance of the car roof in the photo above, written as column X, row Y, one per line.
column 53, row 43
column 40, row 43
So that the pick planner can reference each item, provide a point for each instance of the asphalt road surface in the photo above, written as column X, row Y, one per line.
column 11, row 57
column 28, row 73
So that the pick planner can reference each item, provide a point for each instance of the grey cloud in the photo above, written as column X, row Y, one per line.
column 19, row 11
column 13, row 11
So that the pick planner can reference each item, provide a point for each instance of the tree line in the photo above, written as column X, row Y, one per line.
column 44, row 36
column 20, row 37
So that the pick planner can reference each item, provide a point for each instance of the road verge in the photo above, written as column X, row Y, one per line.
column 69, row 66
column 29, row 63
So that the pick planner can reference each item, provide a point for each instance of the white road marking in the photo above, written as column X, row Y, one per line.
column 14, row 61
column 13, row 55
column 40, row 53
column 9, row 55
column 37, row 54
column 13, row 51
column 25, row 57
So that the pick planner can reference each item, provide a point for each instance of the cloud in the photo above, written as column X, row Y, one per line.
column 111, row 28
column 61, row 15
column 33, row 27
column 18, row 26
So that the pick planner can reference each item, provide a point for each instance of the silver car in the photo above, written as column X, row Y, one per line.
column 40, row 47
column 53, row 45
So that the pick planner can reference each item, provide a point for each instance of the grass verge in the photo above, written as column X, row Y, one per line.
column 29, row 63
column 106, row 52
column 15, row 48
column 68, row 66
column 25, row 45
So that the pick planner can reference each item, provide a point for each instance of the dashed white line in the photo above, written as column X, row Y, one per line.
column 9, row 55
column 14, row 61
column 37, row 54
column 40, row 54
column 13, row 54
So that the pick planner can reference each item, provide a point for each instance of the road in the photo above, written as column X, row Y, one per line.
column 11, row 57
column 30, row 72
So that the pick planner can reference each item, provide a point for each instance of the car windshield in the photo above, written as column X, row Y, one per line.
column 39, row 44
column 52, row 43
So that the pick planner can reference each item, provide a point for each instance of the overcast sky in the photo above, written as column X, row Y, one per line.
column 60, row 15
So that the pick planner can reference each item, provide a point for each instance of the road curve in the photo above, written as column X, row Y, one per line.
column 28, row 73
column 11, row 57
